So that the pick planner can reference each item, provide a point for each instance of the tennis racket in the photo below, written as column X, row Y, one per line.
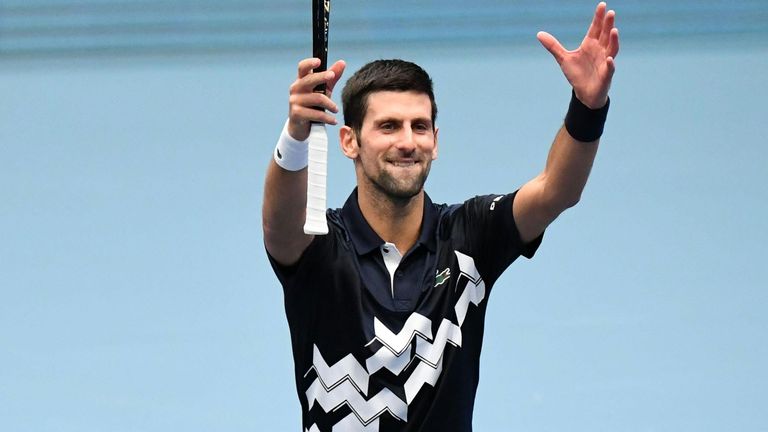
column 315, row 222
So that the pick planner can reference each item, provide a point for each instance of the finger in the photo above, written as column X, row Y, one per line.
column 306, row 66
column 613, row 43
column 597, row 21
column 305, row 115
column 610, row 19
column 338, row 69
column 312, row 80
column 552, row 45
column 313, row 100
column 611, row 66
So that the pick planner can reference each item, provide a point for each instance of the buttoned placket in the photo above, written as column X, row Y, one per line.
column 392, row 258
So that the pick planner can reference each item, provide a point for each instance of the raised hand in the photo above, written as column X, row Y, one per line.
column 303, row 101
column 590, row 67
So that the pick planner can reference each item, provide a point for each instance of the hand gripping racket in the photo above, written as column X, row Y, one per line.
column 315, row 222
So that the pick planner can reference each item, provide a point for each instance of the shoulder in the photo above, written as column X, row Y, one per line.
column 321, row 249
column 478, row 206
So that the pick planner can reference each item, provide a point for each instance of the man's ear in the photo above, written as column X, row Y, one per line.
column 434, row 151
column 348, row 142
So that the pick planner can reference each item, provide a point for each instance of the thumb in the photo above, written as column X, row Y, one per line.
column 552, row 45
column 338, row 69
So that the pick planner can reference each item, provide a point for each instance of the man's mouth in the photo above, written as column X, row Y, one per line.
column 403, row 163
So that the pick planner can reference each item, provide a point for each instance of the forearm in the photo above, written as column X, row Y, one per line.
column 283, row 212
column 567, row 169
column 557, row 188
column 285, row 200
column 573, row 153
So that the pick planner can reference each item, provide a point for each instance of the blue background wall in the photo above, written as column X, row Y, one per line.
column 135, row 294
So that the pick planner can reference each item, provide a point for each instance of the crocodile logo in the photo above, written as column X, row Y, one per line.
column 442, row 276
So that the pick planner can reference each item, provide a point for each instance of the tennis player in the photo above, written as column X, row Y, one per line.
column 386, row 312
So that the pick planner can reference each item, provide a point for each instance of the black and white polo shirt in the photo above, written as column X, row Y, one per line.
column 390, row 342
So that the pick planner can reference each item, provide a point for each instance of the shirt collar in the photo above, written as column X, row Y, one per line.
column 365, row 238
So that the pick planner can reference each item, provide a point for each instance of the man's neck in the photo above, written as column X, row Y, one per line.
column 397, row 222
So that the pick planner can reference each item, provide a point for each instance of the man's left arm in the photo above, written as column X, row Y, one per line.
column 589, row 69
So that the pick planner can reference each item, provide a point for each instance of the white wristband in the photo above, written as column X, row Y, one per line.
column 290, row 154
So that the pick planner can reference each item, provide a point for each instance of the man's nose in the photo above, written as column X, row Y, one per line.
column 405, row 141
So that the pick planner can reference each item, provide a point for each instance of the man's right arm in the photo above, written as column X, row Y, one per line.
column 285, row 191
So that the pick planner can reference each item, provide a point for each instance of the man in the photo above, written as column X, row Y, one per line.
column 386, row 312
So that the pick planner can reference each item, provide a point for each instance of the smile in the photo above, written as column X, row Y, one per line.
column 403, row 164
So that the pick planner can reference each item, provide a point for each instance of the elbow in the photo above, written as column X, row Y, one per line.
column 559, row 205
column 571, row 201
column 267, row 235
column 560, row 192
column 278, row 247
column 560, row 200
column 266, row 227
column 270, row 231
column 284, row 242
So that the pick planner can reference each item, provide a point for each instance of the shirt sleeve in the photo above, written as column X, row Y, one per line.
column 294, row 277
column 490, row 233
column 301, row 290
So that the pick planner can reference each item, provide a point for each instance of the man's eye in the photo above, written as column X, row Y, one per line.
column 387, row 126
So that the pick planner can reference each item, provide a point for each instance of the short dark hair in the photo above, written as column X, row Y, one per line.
column 383, row 75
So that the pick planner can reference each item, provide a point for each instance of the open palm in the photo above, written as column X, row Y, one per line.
column 590, row 67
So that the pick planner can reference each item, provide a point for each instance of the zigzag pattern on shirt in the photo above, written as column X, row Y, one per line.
column 431, row 355
column 384, row 358
column 423, row 374
column 474, row 291
column 347, row 369
column 366, row 411
column 398, row 343
column 432, row 352
column 346, row 382
column 425, row 351
column 351, row 424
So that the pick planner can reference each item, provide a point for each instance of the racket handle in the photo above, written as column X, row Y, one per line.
column 316, row 222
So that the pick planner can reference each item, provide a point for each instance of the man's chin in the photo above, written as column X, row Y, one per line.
column 400, row 188
column 404, row 195
column 399, row 192
column 405, row 192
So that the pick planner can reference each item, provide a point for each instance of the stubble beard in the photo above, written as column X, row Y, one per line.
column 396, row 190
column 399, row 190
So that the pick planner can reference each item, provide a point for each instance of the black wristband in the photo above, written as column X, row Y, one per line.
column 582, row 122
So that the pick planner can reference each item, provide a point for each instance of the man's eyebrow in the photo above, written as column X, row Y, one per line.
column 426, row 120
column 399, row 121
column 387, row 120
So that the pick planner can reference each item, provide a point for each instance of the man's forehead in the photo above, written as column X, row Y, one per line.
column 398, row 104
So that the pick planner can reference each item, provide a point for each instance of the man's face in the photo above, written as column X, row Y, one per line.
column 397, row 143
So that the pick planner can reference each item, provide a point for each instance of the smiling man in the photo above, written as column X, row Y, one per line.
column 387, row 311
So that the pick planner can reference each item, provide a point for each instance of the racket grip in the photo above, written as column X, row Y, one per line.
column 316, row 222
